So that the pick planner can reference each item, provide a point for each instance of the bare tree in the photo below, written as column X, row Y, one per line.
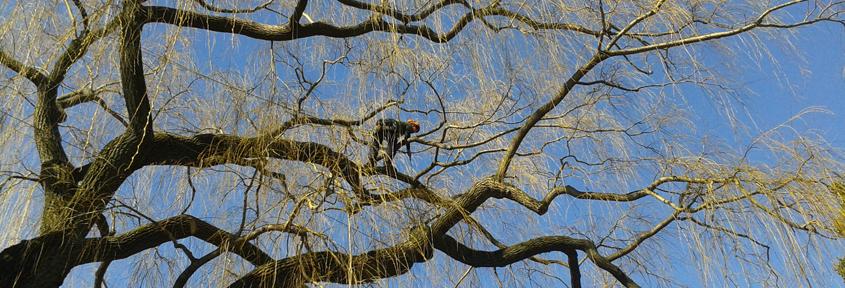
column 230, row 137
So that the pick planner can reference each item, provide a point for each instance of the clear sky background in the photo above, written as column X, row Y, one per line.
column 782, row 90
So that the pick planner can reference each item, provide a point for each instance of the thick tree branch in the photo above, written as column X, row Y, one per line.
column 524, row 250
column 206, row 150
column 603, row 196
column 47, row 110
column 298, row 10
column 574, row 268
column 132, row 76
column 467, row 203
column 494, row 9
column 539, row 207
column 398, row 15
column 31, row 73
column 335, row 267
column 416, row 192
column 213, row 8
column 489, row 236
column 116, row 161
column 31, row 261
column 56, row 172
column 157, row 14
column 179, row 227
column 195, row 265
column 287, row 227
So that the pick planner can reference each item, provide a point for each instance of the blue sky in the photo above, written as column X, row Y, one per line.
column 815, row 78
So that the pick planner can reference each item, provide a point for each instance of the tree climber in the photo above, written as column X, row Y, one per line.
column 390, row 131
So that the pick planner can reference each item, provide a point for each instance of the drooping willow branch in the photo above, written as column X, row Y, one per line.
column 604, row 53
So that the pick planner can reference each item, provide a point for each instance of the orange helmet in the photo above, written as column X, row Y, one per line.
column 415, row 127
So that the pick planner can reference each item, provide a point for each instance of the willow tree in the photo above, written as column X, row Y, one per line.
column 161, row 139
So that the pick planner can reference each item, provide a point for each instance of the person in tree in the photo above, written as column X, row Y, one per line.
column 388, row 137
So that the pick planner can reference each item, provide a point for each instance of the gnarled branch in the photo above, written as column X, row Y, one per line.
column 524, row 250
column 335, row 267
